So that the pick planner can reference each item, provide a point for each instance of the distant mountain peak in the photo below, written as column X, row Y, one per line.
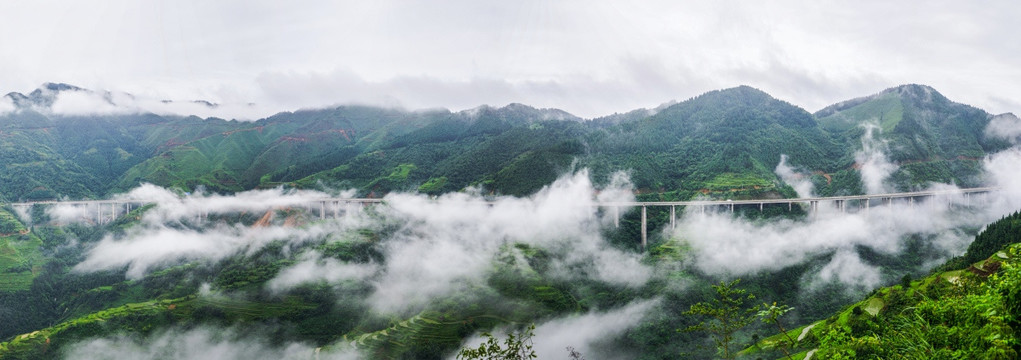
column 744, row 92
column 913, row 93
column 922, row 93
column 58, row 87
column 44, row 95
column 518, row 111
column 42, row 98
column 739, row 96
column 910, row 88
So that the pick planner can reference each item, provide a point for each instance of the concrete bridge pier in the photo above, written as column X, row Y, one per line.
column 644, row 228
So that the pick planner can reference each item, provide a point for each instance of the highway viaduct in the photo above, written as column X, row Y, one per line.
column 105, row 211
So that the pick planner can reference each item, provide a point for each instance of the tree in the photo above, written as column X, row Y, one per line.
column 515, row 347
column 771, row 315
column 727, row 314
column 574, row 354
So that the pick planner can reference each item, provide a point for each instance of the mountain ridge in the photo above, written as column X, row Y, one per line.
column 676, row 149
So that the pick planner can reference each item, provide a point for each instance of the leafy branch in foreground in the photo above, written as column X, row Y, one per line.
column 771, row 315
column 727, row 314
column 515, row 347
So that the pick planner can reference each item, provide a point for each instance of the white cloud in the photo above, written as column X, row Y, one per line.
column 88, row 102
column 145, row 248
column 584, row 332
column 203, row 343
column 589, row 58
column 872, row 163
column 801, row 182
column 65, row 214
column 173, row 207
column 6, row 105
column 440, row 244
column 157, row 241
column 723, row 244
column 1004, row 126
column 847, row 268
column 85, row 103
column 447, row 241
column 313, row 268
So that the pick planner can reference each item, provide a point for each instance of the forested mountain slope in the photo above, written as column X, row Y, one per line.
column 931, row 138
column 417, row 276
column 717, row 143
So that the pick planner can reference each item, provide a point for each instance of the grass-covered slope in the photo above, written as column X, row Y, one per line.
column 930, row 138
column 967, row 310
column 20, row 254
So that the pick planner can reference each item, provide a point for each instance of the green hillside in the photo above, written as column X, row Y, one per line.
column 719, row 141
column 963, row 309
column 724, row 144
column 61, row 307
column 716, row 143
column 931, row 138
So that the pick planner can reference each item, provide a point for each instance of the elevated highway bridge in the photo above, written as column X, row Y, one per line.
column 104, row 211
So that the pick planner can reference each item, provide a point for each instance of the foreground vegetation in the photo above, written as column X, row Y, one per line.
column 969, row 312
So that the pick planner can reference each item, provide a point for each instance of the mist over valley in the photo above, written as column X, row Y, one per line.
column 355, row 232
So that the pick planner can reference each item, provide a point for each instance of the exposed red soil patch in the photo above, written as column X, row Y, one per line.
column 257, row 128
column 829, row 178
column 22, row 232
column 264, row 221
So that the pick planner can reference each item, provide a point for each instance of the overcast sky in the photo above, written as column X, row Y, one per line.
column 589, row 58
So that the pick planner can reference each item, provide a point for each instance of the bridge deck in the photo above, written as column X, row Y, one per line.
column 813, row 203
column 624, row 204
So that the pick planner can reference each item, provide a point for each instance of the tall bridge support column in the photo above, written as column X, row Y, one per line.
column 645, row 224
column 673, row 217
